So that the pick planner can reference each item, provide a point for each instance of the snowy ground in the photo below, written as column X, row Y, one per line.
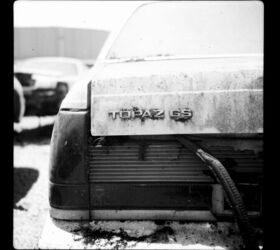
column 139, row 235
column 31, row 158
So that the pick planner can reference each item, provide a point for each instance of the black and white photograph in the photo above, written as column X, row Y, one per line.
column 138, row 125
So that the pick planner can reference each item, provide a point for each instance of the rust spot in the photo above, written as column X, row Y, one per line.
column 255, row 84
column 238, row 112
column 135, row 108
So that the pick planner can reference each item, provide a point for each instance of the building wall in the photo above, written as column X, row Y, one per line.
column 52, row 41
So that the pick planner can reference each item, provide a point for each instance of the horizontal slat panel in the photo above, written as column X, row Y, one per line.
column 147, row 164
column 148, row 155
column 141, row 172
column 165, row 161
column 163, row 171
column 152, row 179
column 159, row 163
column 131, row 168
column 149, row 175
column 183, row 165
column 163, row 152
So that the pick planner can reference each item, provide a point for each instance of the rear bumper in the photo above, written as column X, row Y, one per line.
column 109, row 214
column 79, row 209
column 67, row 197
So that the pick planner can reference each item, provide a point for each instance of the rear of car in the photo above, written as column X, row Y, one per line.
column 170, row 74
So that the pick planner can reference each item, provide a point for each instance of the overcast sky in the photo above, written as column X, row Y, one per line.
column 106, row 15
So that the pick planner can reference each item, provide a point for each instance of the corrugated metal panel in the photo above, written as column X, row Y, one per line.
column 160, row 161
column 83, row 43
column 56, row 41
column 35, row 41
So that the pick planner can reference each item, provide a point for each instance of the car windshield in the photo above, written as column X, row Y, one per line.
column 63, row 68
column 191, row 29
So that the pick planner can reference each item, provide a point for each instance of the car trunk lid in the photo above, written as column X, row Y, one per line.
column 179, row 96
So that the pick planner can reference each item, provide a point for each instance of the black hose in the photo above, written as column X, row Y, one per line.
column 232, row 194
column 234, row 198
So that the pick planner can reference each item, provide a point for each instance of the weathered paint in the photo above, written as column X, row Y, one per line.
column 68, row 188
column 69, row 141
column 225, row 95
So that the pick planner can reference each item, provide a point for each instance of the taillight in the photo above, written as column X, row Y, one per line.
column 68, row 168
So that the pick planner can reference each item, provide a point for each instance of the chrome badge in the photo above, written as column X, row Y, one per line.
column 181, row 114
column 155, row 114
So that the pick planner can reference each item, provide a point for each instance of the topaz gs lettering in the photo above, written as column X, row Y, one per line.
column 181, row 114
column 130, row 114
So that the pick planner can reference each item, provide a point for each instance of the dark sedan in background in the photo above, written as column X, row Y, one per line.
column 46, row 81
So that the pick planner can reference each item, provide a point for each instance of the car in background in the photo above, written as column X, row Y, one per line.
column 46, row 81
column 89, row 63
column 19, row 102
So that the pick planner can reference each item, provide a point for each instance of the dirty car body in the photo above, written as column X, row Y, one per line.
column 46, row 81
column 114, row 150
